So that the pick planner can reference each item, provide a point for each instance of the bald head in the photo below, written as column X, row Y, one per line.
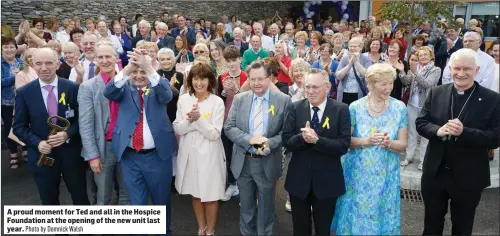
column 255, row 41
column 46, row 62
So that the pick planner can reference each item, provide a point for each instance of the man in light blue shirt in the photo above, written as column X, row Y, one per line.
column 485, row 76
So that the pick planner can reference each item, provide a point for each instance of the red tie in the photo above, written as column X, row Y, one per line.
column 137, row 139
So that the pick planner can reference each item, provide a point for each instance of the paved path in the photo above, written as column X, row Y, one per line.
column 18, row 188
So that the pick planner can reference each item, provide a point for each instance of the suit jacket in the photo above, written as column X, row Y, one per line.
column 243, row 48
column 481, row 133
column 30, row 121
column 94, row 117
column 156, row 114
column 237, row 130
column 458, row 45
column 166, row 42
column 317, row 165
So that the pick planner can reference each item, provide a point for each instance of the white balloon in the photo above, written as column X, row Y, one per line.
column 313, row 3
column 343, row 7
column 319, row 2
column 311, row 13
column 306, row 10
column 346, row 16
column 307, row 5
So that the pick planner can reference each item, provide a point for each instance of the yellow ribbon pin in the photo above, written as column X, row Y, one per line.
column 146, row 91
column 176, row 81
column 373, row 130
column 206, row 115
column 327, row 123
column 271, row 110
column 63, row 98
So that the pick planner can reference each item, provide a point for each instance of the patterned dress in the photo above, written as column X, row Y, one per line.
column 371, row 204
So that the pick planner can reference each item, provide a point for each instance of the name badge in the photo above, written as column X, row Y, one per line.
column 70, row 113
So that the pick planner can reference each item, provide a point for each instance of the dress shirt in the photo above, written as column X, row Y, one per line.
column 154, row 79
column 86, row 64
column 267, row 43
column 63, row 37
column 486, row 71
column 113, row 111
column 116, row 42
column 265, row 108
column 276, row 38
column 45, row 93
column 321, row 110
column 229, row 27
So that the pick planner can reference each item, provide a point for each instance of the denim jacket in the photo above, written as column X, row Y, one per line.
column 8, row 81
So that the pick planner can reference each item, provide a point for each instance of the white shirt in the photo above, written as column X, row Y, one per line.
column 63, row 37
column 486, row 71
column 154, row 79
column 267, row 43
column 321, row 107
column 45, row 93
column 496, row 79
column 86, row 64
column 116, row 42
column 134, row 30
column 276, row 38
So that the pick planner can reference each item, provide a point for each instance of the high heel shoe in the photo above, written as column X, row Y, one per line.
column 213, row 233
column 203, row 232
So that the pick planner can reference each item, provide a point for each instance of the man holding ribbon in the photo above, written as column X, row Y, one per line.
column 317, row 132
column 254, row 125
column 35, row 103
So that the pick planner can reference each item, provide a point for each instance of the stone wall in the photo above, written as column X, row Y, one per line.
column 13, row 11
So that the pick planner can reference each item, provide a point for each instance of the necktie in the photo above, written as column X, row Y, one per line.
column 91, row 70
column 274, row 39
column 258, row 119
column 138, row 138
column 51, row 102
column 315, row 119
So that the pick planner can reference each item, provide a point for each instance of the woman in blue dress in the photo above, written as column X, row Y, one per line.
column 371, row 204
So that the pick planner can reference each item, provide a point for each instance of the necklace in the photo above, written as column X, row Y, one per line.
column 205, row 98
column 376, row 111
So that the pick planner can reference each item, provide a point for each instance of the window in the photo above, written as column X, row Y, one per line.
column 488, row 13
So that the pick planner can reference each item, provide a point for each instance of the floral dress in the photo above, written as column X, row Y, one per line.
column 371, row 204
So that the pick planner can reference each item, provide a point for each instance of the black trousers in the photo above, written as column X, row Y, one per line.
column 8, row 118
column 322, row 214
column 228, row 150
column 72, row 167
column 436, row 193
column 349, row 98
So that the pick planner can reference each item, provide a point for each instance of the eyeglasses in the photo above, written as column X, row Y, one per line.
column 198, row 52
column 313, row 87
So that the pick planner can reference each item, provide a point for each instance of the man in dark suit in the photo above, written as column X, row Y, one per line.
column 318, row 132
column 35, row 102
column 164, row 40
column 143, row 138
column 184, row 30
column 458, row 43
column 238, row 40
column 144, row 33
column 456, row 164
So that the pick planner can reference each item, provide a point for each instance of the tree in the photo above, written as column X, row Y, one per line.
column 417, row 12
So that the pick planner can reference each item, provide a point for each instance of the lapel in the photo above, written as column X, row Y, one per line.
column 270, row 117
column 62, row 88
column 38, row 101
column 135, row 95
column 99, row 86
column 246, row 105
column 146, row 97
column 445, row 106
column 306, row 114
column 473, row 107
column 325, row 114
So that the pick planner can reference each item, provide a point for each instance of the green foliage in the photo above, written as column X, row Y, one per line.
column 409, row 11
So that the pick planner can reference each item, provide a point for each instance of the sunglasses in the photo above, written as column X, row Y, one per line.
column 198, row 52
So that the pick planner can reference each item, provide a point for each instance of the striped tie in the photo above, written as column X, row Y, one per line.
column 258, row 118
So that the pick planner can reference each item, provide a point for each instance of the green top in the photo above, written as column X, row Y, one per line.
column 249, row 56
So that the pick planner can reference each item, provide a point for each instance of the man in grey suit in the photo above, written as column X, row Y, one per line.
column 98, row 117
column 254, row 125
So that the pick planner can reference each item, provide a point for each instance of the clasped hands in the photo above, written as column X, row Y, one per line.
column 453, row 127
column 194, row 114
column 379, row 139
column 139, row 58
column 308, row 134
column 259, row 140
column 54, row 140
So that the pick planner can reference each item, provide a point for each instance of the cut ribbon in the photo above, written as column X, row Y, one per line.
column 63, row 98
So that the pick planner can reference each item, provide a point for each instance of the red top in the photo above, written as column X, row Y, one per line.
column 282, row 76
column 230, row 95
column 402, row 51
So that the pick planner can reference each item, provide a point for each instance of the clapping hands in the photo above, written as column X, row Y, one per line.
column 194, row 114
column 308, row 134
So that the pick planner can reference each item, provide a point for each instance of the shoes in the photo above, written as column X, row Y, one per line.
column 420, row 166
column 288, row 206
column 405, row 163
column 231, row 191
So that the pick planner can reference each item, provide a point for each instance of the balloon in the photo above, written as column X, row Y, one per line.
column 311, row 13
column 346, row 16
column 343, row 7
column 306, row 10
column 313, row 3
column 307, row 5
column 345, row 2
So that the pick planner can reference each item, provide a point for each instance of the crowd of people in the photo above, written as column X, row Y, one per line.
column 215, row 109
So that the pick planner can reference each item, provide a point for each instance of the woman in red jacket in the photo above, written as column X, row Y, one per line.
column 399, row 34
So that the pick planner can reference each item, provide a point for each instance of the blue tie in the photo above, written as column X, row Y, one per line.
column 315, row 119
column 91, row 70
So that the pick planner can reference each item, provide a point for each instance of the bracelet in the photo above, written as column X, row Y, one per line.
column 390, row 144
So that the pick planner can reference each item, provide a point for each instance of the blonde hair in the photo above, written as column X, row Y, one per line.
column 301, row 34
column 70, row 47
column 298, row 64
column 337, row 35
column 148, row 45
column 378, row 72
column 56, row 44
column 427, row 49
column 357, row 40
column 26, row 54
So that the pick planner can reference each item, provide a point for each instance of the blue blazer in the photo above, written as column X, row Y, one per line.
column 30, row 120
column 156, row 114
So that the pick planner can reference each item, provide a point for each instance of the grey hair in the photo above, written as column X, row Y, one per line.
column 473, row 34
column 464, row 54
column 315, row 71
column 167, row 51
column 162, row 25
column 237, row 28
column 145, row 23
column 39, row 50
